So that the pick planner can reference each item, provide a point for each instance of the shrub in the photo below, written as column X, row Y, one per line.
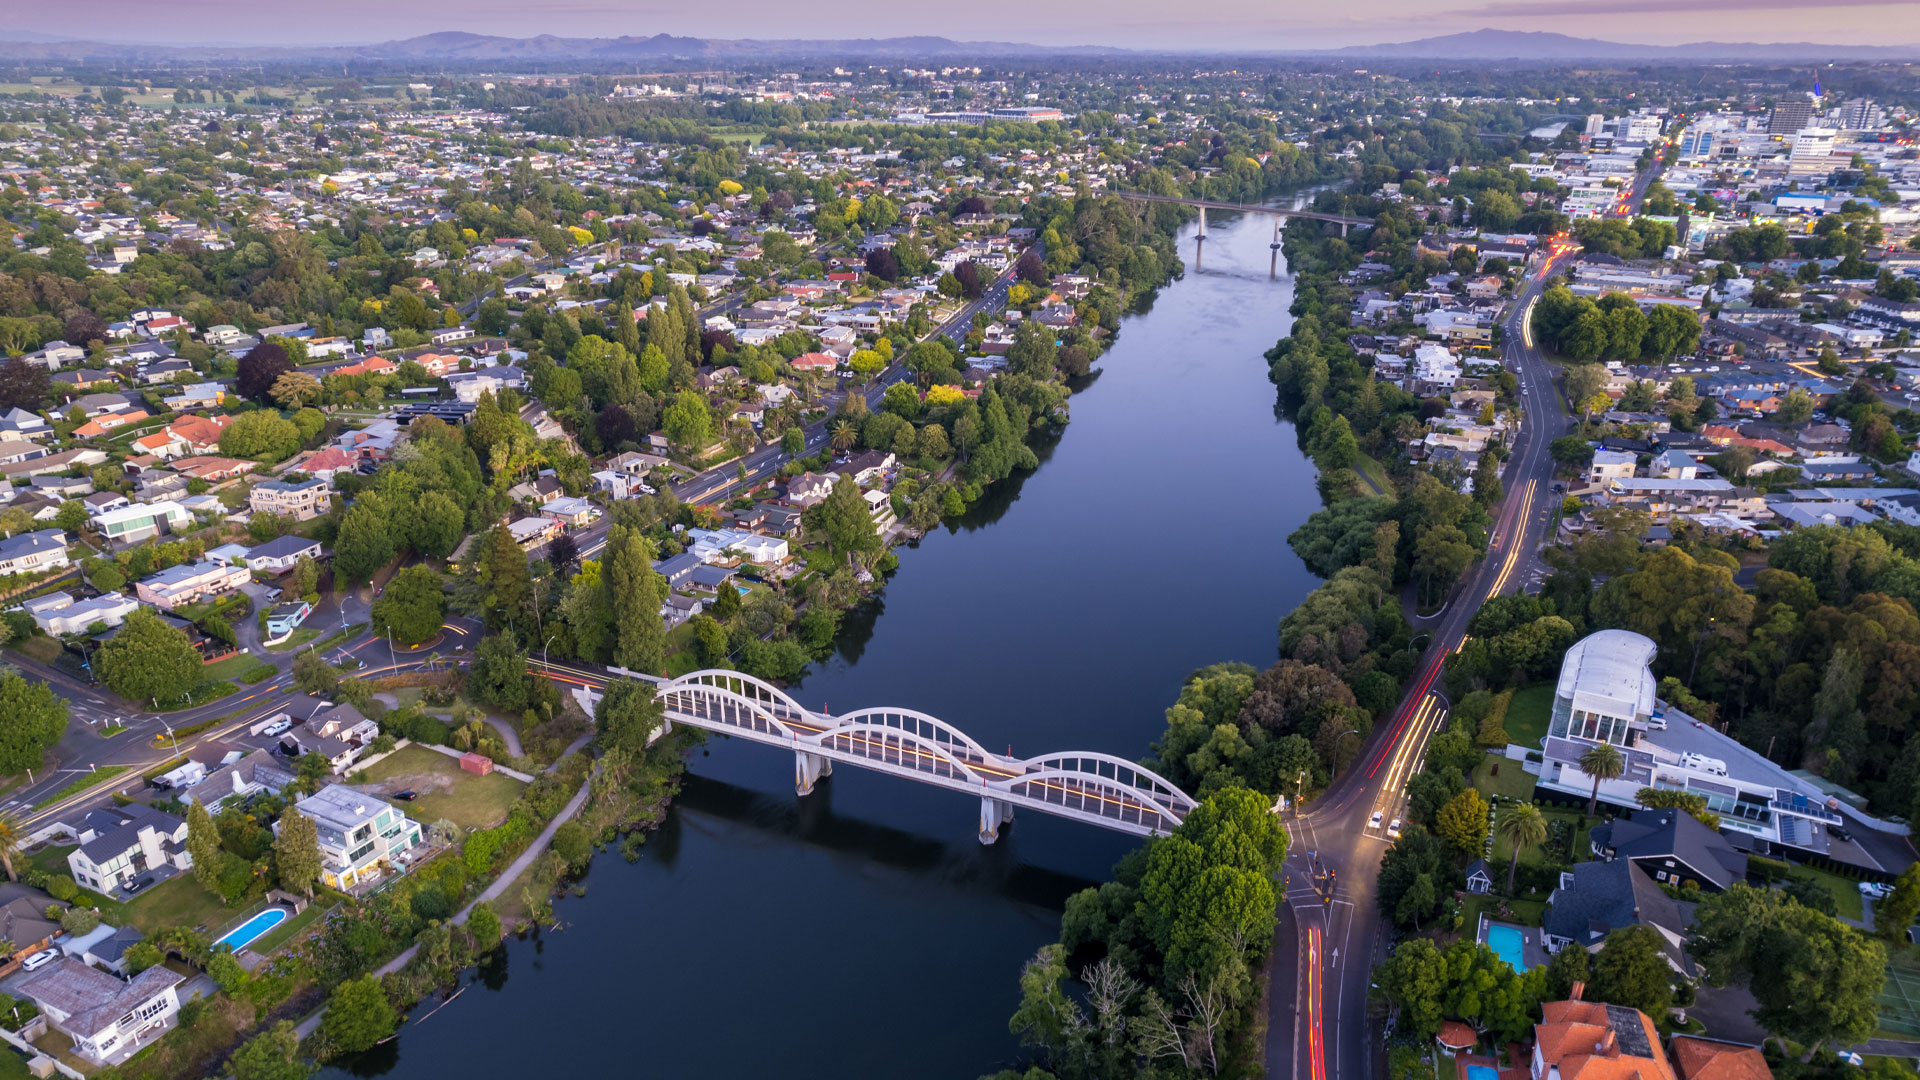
column 62, row 887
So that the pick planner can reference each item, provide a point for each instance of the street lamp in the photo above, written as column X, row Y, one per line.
column 543, row 651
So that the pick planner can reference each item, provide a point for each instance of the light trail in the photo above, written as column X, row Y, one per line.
column 1316, row 1038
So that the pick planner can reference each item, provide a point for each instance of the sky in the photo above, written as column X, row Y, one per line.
column 1217, row 24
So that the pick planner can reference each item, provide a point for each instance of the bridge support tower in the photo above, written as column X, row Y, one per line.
column 1200, row 240
column 808, row 769
column 993, row 814
column 1273, row 263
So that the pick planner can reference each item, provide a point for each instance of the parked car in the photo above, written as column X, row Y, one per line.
column 1875, row 890
column 40, row 959
column 406, row 796
column 278, row 727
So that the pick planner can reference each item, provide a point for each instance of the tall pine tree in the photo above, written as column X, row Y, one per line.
column 635, row 592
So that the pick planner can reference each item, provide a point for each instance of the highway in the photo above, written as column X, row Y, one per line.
column 1331, row 933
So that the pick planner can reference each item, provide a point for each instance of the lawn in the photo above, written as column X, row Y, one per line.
column 300, row 637
column 40, row 647
column 446, row 790
column 1512, row 781
column 234, row 667
column 1846, row 894
column 1528, row 714
column 83, row 783
column 178, row 901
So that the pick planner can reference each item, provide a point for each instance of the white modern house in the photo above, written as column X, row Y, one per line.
column 58, row 613
column 141, row 521
column 1606, row 695
column 118, row 844
column 362, row 837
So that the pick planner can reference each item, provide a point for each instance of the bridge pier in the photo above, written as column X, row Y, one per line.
column 1200, row 240
column 808, row 769
column 1273, row 263
column 993, row 814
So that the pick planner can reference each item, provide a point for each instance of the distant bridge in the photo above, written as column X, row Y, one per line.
column 1278, row 213
column 1079, row 785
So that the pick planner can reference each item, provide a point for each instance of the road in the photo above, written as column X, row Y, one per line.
column 1330, row 932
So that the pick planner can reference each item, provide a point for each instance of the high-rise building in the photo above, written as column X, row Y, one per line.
column 1860, row 114
column 1789, row 116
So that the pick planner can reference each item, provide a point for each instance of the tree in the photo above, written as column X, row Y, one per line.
column 1670, row 799
column 844, row 435
column 23, row 385
column 1891, row 917
column 627, row 716
column 688, row 421
column 1602, row 761
column 635, row 591
column 203, row 843
column 484, row 924
column 260, row 369
column 843, row 518
column 273, row 1054
column 435, row 525
column 358, row 1016
column 1813, row 977
column 793, row 442
column 1415, row 980
column 294, row 389
column 296, row 852
column 1796, row 407
column 35, row 720
column 1463, row 821
column 313, row 674
column 498, row 673
column 1631, row 969
column 13, row 837
column 72, row 516
column 149, row 660
column 1523, row 827
column 262, row 435
column 142, row 955
column 412, row 607
column 365, row 544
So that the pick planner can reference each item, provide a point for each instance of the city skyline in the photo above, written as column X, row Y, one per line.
column 1240, row 25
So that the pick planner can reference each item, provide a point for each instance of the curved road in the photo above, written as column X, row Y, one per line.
column 1330, row 933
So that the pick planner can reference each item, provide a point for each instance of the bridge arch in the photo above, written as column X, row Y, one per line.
column 1117, row 772
column 899, row 748
column 725, row 708
column 739, row 682
column 919, row 723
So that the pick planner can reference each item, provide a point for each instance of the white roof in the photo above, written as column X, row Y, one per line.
column 1608, row 671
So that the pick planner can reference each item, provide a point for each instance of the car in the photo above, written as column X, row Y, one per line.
column 40, row 959
column 137, row 884
column 1374, row 821
column 1840, row 833
column 1393, row 830
column 278, row 727
column 406, row 796
column 1875, row 889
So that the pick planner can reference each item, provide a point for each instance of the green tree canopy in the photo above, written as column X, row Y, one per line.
column 149, row 660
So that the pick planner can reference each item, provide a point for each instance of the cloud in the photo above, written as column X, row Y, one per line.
column 1548, row 9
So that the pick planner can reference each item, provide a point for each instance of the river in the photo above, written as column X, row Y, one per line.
column 864, row 930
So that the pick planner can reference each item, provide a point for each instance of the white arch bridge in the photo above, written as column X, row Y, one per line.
column 1098, row 789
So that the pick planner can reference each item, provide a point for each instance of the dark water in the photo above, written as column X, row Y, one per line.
column 864, row 931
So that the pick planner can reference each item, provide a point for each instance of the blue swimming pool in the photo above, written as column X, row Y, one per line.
column 242, row 936
column 1508, row 945
column 1482, row 1072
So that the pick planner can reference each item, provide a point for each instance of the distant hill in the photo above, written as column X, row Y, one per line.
column 1489, row 44
column 456, row 46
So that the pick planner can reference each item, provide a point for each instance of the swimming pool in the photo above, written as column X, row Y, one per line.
column 243, row 935
column 1482, row 1072
column 1507, row 944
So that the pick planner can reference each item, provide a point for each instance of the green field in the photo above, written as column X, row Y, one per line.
column 446, row 790
column 1511, row 781
column 1528, row 715
column 83, row 783
column 178, row 901
column 234, row 667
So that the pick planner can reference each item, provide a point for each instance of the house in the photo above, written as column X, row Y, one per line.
column 1582, row 1040
column 23, row 919
column 254, row 772
column 107, row 1019
column 213, row 470
column 302, row 499
column 620, row 485
column 469, row 386
column 540, row 490
column 282, row 554
column 1596, row 898
column 869, row 467
column 59, row 614
column 77, row 458
column 118, row 844
column 530, row 532
column 340, row 735
column 1672, row 846
column 33, row 552
column 677, row 568
column 635, row 463
column 880, row 509
column 679, row 607
column 1610, row 465
column 571, row 511
column 204, row 395
column 1698, row 1058
column 1479, row 878
column 328, row 462
column 724, row 545
column 189, row 583
column 1674, row 465
column 17, row 424
column 361, row 836
column 141, row 521
column 105, row 947
column 284, row 619
column 100, row 425
column 811, row 489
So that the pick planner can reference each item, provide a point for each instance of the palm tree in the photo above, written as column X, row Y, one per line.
column 844, row 434
column 12, row 837
column 1603, row 762
column 1523, row 828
